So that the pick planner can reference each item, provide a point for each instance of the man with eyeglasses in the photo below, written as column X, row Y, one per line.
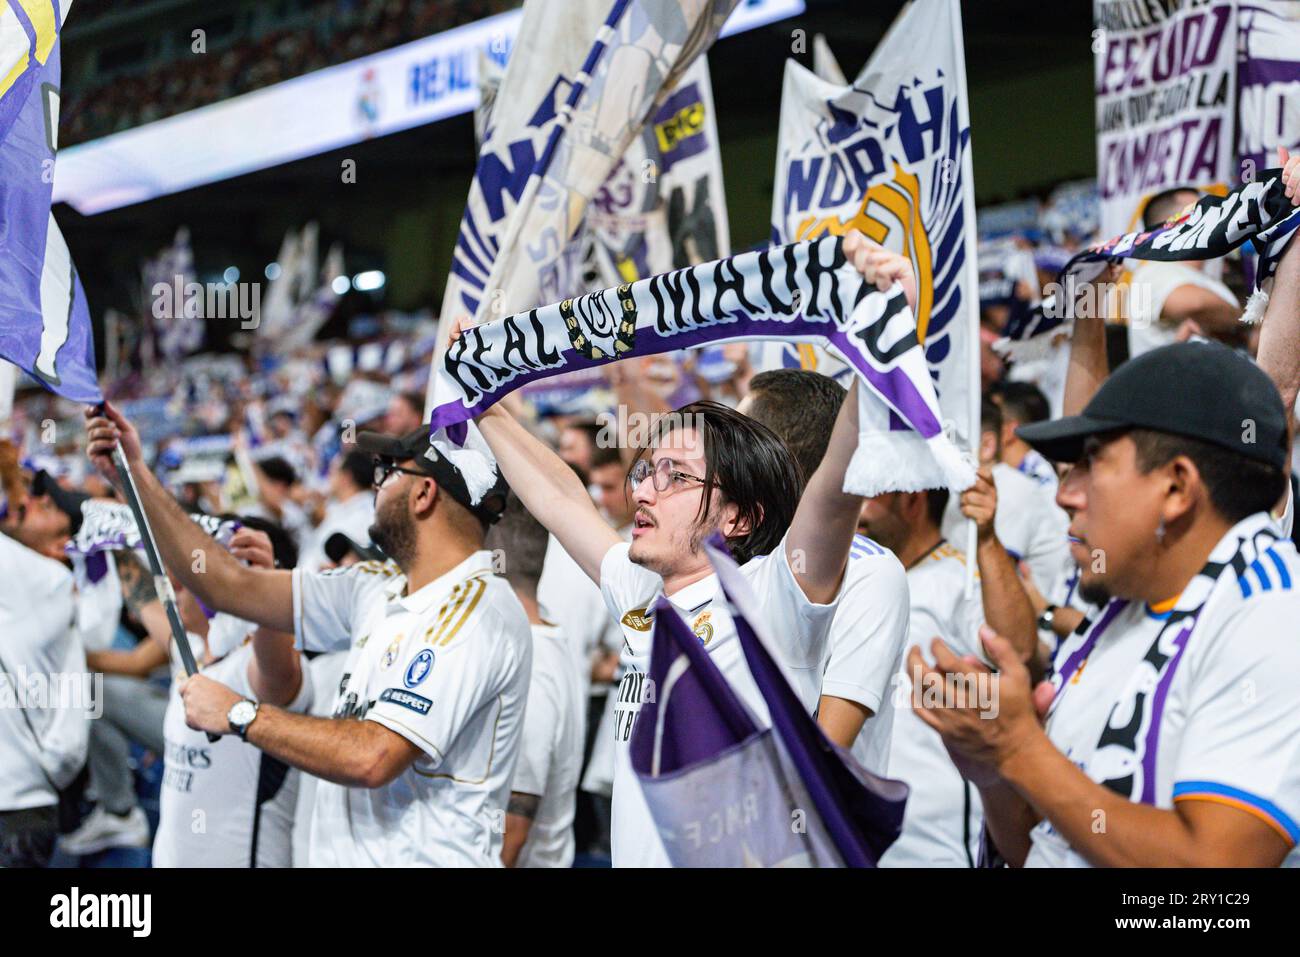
column 707, row 469
column 417, row 759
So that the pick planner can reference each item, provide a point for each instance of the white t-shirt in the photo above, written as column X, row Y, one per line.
column 550, row 758
column 38, row 645
column 1040, row 470
column 941, row 825
column 225, row 803
column 1230, row 726
column 326, row 675
column 799, row 628
column 446, row 668
column 1028, row 523
column 567, row 596
column 1151, row 284
column 866, row 645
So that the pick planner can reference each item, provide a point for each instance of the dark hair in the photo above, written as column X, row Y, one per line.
column 605, row 455
column 415, row 400
column 1022, row 401
column 282, row 544
column 936, row 501
column 1238, row 486
column 278, row 470
column 522, row 540
column 360, row 468
column 747, row 464
column 589, row 428
column 800, row 406
column 1163, row 205
column 990, row 416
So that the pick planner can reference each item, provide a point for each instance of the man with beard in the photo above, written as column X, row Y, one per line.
column 416, row 761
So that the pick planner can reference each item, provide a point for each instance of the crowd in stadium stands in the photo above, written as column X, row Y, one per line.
column 342, row 30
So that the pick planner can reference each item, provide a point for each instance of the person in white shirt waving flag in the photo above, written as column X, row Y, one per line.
column 417, row 759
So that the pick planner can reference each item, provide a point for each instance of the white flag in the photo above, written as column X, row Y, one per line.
column 639, row 53
column 891, row 156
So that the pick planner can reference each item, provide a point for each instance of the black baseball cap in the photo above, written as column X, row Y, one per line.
column 1201, row 390
column 69, row 503
column 338, row 545
column 418, row 446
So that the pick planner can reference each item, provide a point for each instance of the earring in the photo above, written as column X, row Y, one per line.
column 1160, row 531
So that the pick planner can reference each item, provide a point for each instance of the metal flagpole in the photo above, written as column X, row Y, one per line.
column 161, row 583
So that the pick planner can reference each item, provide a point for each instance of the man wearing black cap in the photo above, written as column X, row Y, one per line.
column 1170, row 732
column 416, row 761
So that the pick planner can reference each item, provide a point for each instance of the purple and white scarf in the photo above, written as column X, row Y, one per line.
column 804, row 291
column 1257, row 212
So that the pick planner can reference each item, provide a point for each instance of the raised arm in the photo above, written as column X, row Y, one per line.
column 1007, row 608
column 1088, row 366
column 201, row 565
column 275, row 668
column 817, row 544
column 826, row 519
column 549, row 489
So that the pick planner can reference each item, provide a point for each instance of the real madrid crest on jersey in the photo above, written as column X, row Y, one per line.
column 703, row 628
column 419, row 668
column 390, row 653
column 595, row 329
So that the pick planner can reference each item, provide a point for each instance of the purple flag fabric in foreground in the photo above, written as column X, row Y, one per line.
column 44, row 320
column 725, row 792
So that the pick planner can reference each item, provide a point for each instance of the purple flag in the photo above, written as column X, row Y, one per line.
column 725, row 792
column 44, row 321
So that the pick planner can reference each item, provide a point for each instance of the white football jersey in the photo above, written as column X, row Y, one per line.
column 1229, row 727
column 941, row 825
column 798, row 628
column 446, row 668
column 550, row 757
column 1029, row 524
column 866, row 645
column 225, row 803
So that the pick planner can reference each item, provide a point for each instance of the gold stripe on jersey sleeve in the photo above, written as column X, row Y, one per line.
column 439, row 620
column 474, row 589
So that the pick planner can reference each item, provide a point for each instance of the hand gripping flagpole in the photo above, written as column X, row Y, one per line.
column 161, row 583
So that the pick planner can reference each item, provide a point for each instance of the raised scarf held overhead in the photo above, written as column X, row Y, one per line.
column 804, row 291
column 1213, row 226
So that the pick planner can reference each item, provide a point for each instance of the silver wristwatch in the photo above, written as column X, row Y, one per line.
column 240, row 716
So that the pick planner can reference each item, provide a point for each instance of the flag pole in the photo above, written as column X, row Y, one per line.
column 161, row 583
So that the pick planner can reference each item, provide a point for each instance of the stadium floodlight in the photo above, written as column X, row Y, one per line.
column 272, row 271
column 369, row 281
column 340, row 285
